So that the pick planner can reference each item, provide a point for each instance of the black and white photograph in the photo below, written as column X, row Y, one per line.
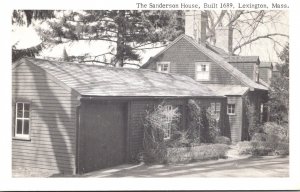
column 155, row 91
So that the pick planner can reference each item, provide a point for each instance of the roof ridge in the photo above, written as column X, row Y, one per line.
column 221, row 61
column 111, row 68
column 216, row 58
column 105, row 83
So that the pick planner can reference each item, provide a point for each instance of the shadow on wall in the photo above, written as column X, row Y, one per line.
column 57, row 113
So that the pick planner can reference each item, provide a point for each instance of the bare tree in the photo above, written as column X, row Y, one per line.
column 246, row 26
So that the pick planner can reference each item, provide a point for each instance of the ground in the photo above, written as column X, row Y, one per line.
column 268, row 166
column 244, row 167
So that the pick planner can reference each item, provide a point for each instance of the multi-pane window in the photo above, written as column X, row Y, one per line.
column 202, row 71
column 163, row 67
column 231, row 109
column 215, row 108
column 167, row 122
column 22, row 125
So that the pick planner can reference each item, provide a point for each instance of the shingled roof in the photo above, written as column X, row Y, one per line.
column 221, row 61
column 95, row 80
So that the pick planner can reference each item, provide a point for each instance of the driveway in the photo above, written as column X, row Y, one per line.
column 269, row 166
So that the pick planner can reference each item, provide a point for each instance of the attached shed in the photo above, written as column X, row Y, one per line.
column 76, row 118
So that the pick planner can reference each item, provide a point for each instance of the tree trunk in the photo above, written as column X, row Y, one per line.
column 120, row 21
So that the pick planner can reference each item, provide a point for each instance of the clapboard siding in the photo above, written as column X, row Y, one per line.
column 41, row 147
column 246, row 68
column 182, row 57
column 52, row 143
column 236, row 120
column 137, row 112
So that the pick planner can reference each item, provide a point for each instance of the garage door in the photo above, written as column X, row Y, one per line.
column 102, row 135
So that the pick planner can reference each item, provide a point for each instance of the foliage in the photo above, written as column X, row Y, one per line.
column 259, row 137
column 247, row 27
column 127, row 30
column 26, row 17
column 202, row 124
column 22, row 17
column 274, row 140
column 244, row 147
column 213, row 129
column 155, row 148
column 260, row 148
column 282, row 149
column 202, row 152
column 222, row 140
column 279, row 91
column 281, row 131
column 195, row 122
column 253, row 118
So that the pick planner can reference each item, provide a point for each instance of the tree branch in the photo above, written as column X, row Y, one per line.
column 257, row 38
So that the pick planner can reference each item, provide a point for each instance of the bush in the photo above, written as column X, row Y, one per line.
column 282, row 149
column 244, row 147
column 202, row 152
column 155, row 148
column 203, row 126
column 260, row 148
column 281, row 131
column 222, row 140
column 259, row 137
column 210, row 151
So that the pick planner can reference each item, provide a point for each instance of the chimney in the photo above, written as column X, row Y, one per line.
column 195, row 25
column 204, row 20
column 224, row 38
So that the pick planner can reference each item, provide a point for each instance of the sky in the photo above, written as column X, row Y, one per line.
column 26, row 37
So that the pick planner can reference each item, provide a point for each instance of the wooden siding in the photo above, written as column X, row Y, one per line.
column 235, row 121
column 53, row 122
column 265, row 74
column 137, row 112
column 246, row 68
column 102, row 138
column 182, row 57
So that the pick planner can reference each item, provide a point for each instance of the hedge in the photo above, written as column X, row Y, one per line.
column 195, row 153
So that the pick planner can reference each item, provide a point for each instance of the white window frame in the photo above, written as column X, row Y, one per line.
column 230, row 109
column 168, row 125
column 214, row 108
column 22, row 135
column 206, row 72
column 162, row 64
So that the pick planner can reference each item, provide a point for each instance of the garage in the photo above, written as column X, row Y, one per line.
column 102, row 136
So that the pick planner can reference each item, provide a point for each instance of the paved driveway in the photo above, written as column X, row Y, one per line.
column 242, row 167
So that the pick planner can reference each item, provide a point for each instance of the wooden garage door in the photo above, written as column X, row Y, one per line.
column 102, row 135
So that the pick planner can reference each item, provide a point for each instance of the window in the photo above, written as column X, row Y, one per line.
column 202, row 71
column 215, row 108
column 163, row 67
column 168, row 122
column 231, row 109
column 22, row 125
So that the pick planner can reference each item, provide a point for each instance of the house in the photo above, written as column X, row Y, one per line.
column 265, row 71
column 75, row 118
column 235, row 77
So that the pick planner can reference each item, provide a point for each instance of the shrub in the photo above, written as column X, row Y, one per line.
column 281, row 131
column 260, row 148
column 244, row 147
column 222, row 140
column 155, row 148
column 259, row 137
column 202, row 123
column 282, row 149
column 209, row 151
column 202, row 152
